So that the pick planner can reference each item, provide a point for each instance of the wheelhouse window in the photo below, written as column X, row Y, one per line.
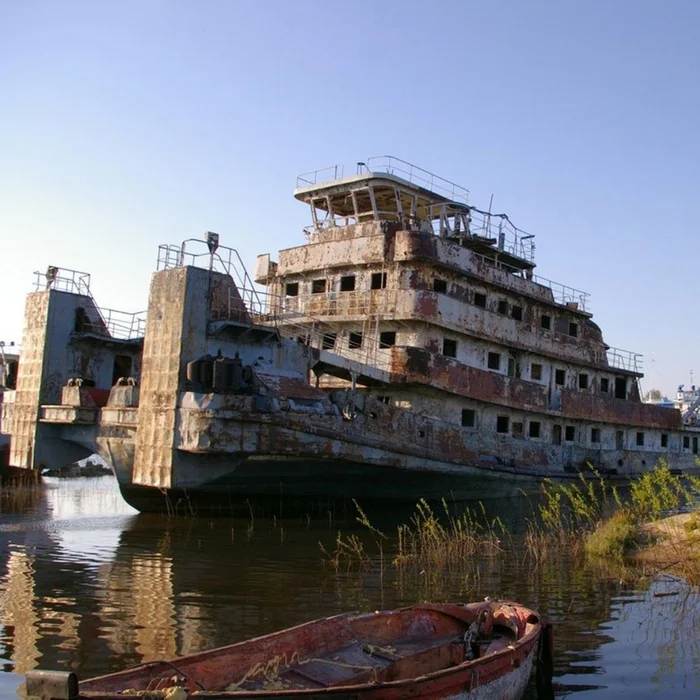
column 378, row 280
column 494, row 360
column 292, row 289
column 328, row 341
column 449, row 347
column 355, row 341
column 480, row 300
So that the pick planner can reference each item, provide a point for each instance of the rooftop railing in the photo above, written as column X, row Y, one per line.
column 120, row 325
column 62, row 279
column 625, row 359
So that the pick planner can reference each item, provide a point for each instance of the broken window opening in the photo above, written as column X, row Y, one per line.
column 502, row 424
column 573, row 329
column 468, row 418
column 536, row 371
column 569, row 433
column 620, row 388
column 664, row 440
column 686, row 443
column 640, row 439
column 122, row 367
column 560, row 377
column 355, row 341
column 347, row 283
column 556, row 434
column 494, row 360
column 604, row 385
column 81, row 321
column 595, row 435
column 534, row 429
column 517, row 429
column 378, row 280
column 517, row 313
column 480, row 300
column 583, row 381
column 546, row 322
column 329, row 341
column 511, row 367
column 502, row 307
column 318, row 286
column 440, row 286
column 292, row 289
column 387, row 339
column 449, row 347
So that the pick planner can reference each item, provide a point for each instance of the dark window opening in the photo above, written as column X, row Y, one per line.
column 517, row 429
column 502, row 307
column 81, row 320
column 569, row 433
column 318, row 286
column 378, row 280
column 556, row 434
column 11, row 374
column 328, row 341
column 595, row 434
column 686, row 443
column 449, row 347
column 560, row 377
column 511, row 367
column 583, row 381
column 517, row 313
column 387, row 339
column 384, row 399
column 546, row 322
column 640, row 439
column 604, row 385
column 534, row 429
column 292, row 289
column 122, row 367
column 695, row 445
column 573, row 330
column 502, row 423
column 468, row 418
column 664, row 440
column 355, row 341
column 347, row 283
column 440, row 285
column 536, row 371
column 480, row 300
column 494, row 361
column 620, row 388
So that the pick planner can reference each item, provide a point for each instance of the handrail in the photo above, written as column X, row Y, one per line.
column 624, row 359
column 63, row 279
column 317, row 177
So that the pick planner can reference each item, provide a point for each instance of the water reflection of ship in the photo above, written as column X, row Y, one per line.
column 169, row 587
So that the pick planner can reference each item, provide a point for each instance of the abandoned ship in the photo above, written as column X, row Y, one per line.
column 404, row 349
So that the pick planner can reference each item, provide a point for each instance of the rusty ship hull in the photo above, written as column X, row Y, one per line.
column 405, row 349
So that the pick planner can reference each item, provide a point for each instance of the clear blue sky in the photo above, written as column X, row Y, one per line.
column 128, row 124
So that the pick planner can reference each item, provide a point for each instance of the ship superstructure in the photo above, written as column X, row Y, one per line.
column 405, row 349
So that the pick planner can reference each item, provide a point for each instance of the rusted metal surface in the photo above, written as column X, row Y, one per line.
column 482, row 650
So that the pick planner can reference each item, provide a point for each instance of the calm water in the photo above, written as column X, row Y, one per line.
column 87, row 584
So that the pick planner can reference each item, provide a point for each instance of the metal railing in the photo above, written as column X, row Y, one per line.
column 417, row 176
column 563, row 294
column 63, row 280
column 117, row 324
column 624, row 359
column 320, row 176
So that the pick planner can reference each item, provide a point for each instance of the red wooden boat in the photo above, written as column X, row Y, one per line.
column 480, row 650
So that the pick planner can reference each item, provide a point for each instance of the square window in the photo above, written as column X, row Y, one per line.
column 449, row 347
column 480, row 300
column 494, row 361
column 378, row 280
column 560, row 377
column 573, row 330
column 347, row 283
column 502, row 307
column 534, row 429
column 328, row 341
column 664, row 440
column 640, row 439
column 546, row 321
column 318, row 286
column 536, row 371
column 292, row 289
column 569, row 433
column 355, row 341
column 517, row 313
column 502, row 423
column 440, row 286
column 604, row 385
column 387, row 339
column 583, row 381
column 468, row 418
column 595, row 434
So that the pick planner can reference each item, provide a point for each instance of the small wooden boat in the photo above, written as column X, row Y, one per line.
column 480, row 650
